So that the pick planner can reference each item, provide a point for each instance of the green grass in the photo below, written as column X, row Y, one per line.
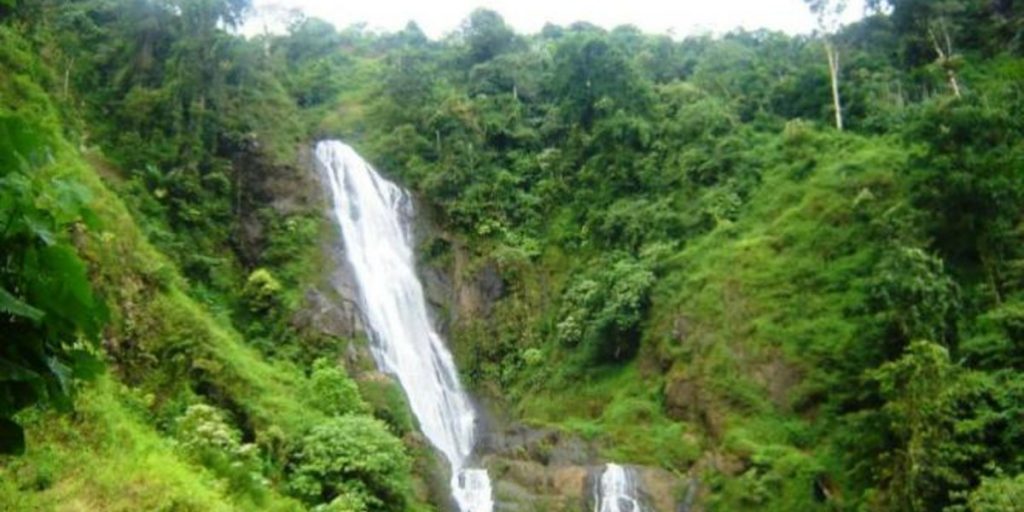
column 621, row 412
column 107, row 456
column 110, row 454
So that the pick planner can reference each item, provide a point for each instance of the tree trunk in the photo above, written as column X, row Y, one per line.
column 944, row 57
column 953, row 83
column 67, row 77
column 833, row 72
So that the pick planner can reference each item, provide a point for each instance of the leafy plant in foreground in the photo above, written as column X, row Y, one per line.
column 50, row 318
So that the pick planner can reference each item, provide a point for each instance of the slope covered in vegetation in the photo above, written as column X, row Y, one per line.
column 696, row 269
column 195, row 409
column 701, row 272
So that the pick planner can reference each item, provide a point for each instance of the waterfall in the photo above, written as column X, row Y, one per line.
column 372, row 214
column 616, row 491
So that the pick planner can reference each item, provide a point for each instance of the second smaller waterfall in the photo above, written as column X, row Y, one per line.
column 617, row 490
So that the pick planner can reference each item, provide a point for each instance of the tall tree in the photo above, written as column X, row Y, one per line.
column 829, row 14
column 939, row 32
column 486, row 36
column 932, row 27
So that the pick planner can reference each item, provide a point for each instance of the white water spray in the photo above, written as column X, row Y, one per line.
column 372, row 213
column 616, row 491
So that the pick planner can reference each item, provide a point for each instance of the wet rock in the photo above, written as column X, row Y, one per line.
column 490, row 284
column 658, row 488
column 546, row 446
column 332, row 307
column 522, row 485
column 477, row 285
column 687, row 398
column 681, row 393
column 778, row 377
column 690, row 500
column 287, row 189
column 327, row 316
column 538, row 469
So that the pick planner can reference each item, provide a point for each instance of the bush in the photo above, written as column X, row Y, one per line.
column 51, row 319
column 603, row 309
column 353, row 458
column 346, row 502
column 998, row 494
column 333, row 392
column 914, row 295
column 261, row 291
column 207, row 437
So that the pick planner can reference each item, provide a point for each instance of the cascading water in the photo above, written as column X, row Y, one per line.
column 616, row 491
column 372, row 213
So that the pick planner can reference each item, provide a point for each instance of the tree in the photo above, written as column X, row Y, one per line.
column 592, row 77
column 917, row 405
column 829, row 13
column 967, row 180
column 914, row 296
column 486, row 36
column 929, row 29
column 939, row 32
column 261, row 291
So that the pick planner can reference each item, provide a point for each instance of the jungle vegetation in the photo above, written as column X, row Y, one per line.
column 797, row 261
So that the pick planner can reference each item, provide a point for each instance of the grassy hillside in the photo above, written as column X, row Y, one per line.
column 187, row 415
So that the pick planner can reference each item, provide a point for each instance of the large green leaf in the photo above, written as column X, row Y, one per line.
column 13, row 306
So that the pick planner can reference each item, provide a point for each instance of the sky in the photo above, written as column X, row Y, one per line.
column 440, row 17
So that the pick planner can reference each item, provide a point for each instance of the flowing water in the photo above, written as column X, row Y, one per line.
column 616, row 491
column 373, row 214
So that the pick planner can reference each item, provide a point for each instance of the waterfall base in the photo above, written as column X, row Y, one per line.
column 472, row 490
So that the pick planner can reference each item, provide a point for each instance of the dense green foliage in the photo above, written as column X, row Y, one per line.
column 801, row 318
column 352, row 458
column 51, row 318
column 683, row 209
column 139, row 142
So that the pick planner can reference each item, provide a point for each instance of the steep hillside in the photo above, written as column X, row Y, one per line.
column 692, row 270
column 188, row 414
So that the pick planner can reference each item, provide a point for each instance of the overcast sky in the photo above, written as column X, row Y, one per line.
column 681, row 17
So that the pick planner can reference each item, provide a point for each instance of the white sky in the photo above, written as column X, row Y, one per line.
column 681, row 17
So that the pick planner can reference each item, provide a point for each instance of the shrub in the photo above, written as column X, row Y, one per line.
column 914, row 295
column 51, row 318
column 207, row 437
column 602, row 310
column 348, row 501
column 353, row 458
column 998, row 494
column 261, row 291
column 333, row 392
